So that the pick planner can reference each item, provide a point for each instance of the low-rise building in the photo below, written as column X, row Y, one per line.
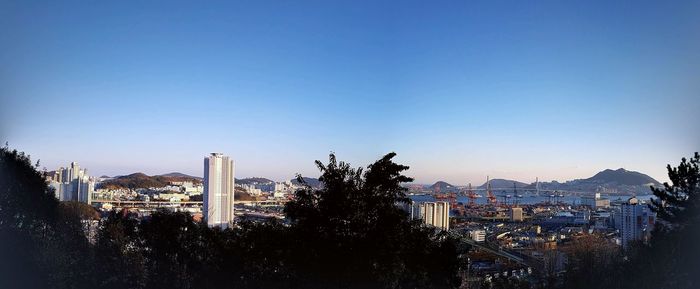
column 477, row 235
column 516, row 214
column 595, row 202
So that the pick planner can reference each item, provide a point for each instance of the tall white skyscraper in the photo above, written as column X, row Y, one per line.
column 218, row 190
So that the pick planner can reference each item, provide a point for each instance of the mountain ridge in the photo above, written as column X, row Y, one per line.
column 140, row 180
column 504, row 183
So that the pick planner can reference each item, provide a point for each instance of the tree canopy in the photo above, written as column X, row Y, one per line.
column 354, row 235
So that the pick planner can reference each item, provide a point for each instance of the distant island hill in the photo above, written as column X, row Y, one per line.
column 620, row 181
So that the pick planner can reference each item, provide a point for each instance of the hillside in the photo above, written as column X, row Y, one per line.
column 312, row 182
column 620, row 181
column 623, row 177
column 179, row 175
column 142, row 181
column 254, row 180
column 442, row 187
column 504, row 184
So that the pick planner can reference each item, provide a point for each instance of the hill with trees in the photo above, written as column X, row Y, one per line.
column 442, row 187
column 621, row 180
column 143, row 181
column 254, row 180
column 623, row 177
column 177, row 175
column 504, row 183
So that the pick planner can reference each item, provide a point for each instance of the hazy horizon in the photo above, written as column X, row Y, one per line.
column 459, row 91
column 457, row 182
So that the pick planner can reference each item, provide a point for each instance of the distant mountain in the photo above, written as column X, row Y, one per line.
column 254, row 180
column 143, row 181
column 623, row 177
column 179, row 175
column 504, row 184
column 443, row 187
column 620, row 181
column 312, row 182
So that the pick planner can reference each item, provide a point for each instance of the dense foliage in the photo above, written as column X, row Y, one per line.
column 352, row 233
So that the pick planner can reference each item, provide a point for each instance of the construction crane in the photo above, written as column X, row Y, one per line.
column 492, row 198
column 505, row 197
column 515, row 194
column 471, row 195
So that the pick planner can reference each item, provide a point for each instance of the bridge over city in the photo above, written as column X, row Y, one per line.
column 521, row 259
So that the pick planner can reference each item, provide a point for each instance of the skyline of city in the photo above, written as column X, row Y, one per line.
column 459, row 91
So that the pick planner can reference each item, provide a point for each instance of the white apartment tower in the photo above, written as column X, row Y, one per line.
column 436, row 214
column 637, row 221
column 72, row 184
column 218, row 190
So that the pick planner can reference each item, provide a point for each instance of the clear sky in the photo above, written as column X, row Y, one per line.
column 459, row 89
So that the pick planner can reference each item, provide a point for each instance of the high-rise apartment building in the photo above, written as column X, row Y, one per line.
column 436, row 214
column 218, row 190
column 72, row 184
column 637, row 220
column 595, row 201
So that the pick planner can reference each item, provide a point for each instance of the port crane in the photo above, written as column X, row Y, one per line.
column 490, row 196
column 471, row 195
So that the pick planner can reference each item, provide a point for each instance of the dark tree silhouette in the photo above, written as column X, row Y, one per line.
column 27, row 209
column 26, row 202
column 173, row 249
column 352, row 234
column 678, row 203
column 120, row 261
column 43, row 244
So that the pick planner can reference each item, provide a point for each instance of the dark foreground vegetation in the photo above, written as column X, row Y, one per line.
column 348, row 234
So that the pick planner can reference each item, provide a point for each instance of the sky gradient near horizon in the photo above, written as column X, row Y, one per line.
column 459, row 89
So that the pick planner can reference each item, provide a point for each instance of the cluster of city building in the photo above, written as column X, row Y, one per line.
column 275, row 190
column 72, row 184
column 542, row 235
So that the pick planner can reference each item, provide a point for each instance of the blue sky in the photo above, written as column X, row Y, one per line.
column 459, row 89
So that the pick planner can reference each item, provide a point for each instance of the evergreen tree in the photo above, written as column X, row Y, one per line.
column 678, row 203
column 352, row 234
column 120, row 261
column 43, row 243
